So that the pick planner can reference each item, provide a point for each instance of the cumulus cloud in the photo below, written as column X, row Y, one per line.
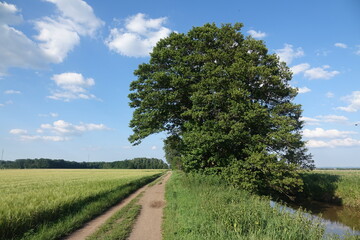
column 347, row 142
column 332, row 118
column 314, row 73
column 310, row 121
column 321, row 133
column 304, row 90
column 354, row 102
column 57, row 35
column 16, row 49
column 288, row 53
column 325, row 119
column 72, row 86
column 256, row 34
column 60, row 34
column 58, row 131
column 138, row 37
column 320, row 73
column 340, row 45
column 300, row 68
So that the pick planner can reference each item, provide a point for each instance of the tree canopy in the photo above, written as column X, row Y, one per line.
column 226, row 105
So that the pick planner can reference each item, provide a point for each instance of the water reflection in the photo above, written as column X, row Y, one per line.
column 337, row 219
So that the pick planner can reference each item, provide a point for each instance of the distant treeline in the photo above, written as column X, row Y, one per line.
column 136, row 163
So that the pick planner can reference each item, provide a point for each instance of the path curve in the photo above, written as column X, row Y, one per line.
column 148, row 224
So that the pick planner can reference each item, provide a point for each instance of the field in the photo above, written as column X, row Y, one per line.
column 203, row 207
column 47, row 204
column 338, row 186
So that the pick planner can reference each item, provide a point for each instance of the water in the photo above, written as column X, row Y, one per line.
column 340, row 220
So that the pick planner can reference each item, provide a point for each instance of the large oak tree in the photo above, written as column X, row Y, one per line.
column 226, row 105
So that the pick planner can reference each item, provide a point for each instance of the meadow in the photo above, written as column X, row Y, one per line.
column 48, row 204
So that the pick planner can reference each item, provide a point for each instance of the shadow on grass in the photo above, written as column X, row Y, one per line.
column 319, row 187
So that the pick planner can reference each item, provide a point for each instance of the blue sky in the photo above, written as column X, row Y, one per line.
column 66, row 66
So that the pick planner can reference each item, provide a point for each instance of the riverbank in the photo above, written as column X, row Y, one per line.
column 203, row 207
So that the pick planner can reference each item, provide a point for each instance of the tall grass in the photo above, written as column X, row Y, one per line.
column 338, row 186
column 203, row 207
column 47, row 204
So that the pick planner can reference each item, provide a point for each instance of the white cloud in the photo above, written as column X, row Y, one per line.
column 340, row 45
column 72, row 86
column 60, row 34
column 12, row 92
column 347, row 142
column 287, row 54
column 58, row 131
column 51, row 114
column 333, row 118
column 256, row 34
column 6, row 103
column 300, row 68
column 310, row 121
column 321, row 133
column 304, row 90
column 320, row 73
column 16, row 50
column 60, row 127
column 17, row 131
column 57, row 35
column 330, row 95
column 153, row 148
column 138, row 37
column 358, row 50
column 354, row 102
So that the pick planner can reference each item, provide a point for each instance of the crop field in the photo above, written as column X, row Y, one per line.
column 48, row 204
column 340, row 184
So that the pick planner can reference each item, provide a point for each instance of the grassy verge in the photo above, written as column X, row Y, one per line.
column 203, row 207
column 119, row 226
column 334, row 186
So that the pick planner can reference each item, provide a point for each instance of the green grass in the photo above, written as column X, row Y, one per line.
column 334, row 186
column 119, row 226
column 203, row 207
column 48, row 204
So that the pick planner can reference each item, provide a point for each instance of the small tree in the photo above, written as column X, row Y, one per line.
column 226, row 105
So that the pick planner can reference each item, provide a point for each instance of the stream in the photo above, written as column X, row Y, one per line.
column 340, row 220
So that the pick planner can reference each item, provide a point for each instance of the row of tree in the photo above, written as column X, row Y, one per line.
column 136, row 163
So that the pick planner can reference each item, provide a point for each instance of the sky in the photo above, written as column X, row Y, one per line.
column 66, row 66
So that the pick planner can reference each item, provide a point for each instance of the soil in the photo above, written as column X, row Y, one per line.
column 148, row 224
column 153, row 199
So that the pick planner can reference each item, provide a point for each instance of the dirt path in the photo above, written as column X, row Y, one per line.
column 93, row 225
column 148, row 224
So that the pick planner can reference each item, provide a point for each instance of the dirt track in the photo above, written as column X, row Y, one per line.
column 148, row 224
column 149, row 221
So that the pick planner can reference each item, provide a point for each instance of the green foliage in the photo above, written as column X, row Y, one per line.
column 202, row 207
column 136, row 163
column 226, row 104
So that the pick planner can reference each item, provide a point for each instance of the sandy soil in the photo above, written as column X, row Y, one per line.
column 148, row 224
column 90, row 227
